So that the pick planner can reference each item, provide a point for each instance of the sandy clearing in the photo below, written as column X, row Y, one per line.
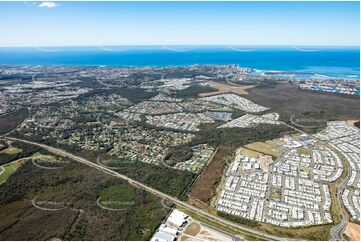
column 352, row 231
column 225, row 88
column 193, row 229
column 198, row 232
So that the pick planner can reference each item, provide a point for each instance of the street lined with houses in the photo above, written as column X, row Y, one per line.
column 294, row 190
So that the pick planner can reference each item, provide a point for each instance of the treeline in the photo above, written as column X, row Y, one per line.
column 240, row 220
column 135, row 95
column 27, row 150
column 178, row 154
column 167, row 180
column 3, row 145
column 193, row 91
column 235, row 137
column 357, row 124
column 78, row 186
column 164, row 179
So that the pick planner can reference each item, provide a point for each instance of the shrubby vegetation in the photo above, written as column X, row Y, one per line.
column 11, row 120
column 3, row 145
column 194, row 90
column 235, row 137
column 178, row 154
column 357, row 124
column 164, row 179
column 135, row 95
column 79, row 187
column 27, row 150
column 122, row 193
column 240, row 220
column 167, row 180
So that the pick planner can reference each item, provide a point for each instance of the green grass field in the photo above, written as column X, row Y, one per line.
column 265, row 148
column 8, row 169
column 40, row 156
column 250, row 153
column 11, row 150
column 117, row 196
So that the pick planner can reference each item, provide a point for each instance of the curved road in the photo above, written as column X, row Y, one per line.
column 140, row 185
column 337, row 230
column 105, row 84
column 303, row 126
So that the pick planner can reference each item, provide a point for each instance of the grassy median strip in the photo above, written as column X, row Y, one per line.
column 220, row 226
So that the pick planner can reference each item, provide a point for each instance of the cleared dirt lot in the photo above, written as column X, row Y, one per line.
column 198, row 232
column 352, row 231
column 265, row 148
column 225, row 88
column 203, row 188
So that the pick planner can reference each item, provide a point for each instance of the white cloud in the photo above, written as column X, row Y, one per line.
column 48, row 5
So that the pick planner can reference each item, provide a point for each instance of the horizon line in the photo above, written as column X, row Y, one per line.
column 195, row 45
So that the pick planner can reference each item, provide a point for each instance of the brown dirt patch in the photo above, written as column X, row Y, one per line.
column 200, row 232
column 185, row 238
column 265, row 148
column 225, row 88
column 193, row 229
column 204, row 186
column 305, row 151
column 352, row 231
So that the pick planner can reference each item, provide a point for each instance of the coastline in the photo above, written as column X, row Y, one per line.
column 272, row 73
column 336, row 63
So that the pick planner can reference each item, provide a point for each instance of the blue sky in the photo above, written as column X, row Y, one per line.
column 179, row 23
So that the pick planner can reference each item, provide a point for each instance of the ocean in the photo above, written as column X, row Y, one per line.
column 323, row 62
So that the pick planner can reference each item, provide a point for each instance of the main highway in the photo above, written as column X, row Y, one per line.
column 242, row 229
column 336, row 231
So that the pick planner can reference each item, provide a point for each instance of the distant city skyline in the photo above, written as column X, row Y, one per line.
column 25, row 24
